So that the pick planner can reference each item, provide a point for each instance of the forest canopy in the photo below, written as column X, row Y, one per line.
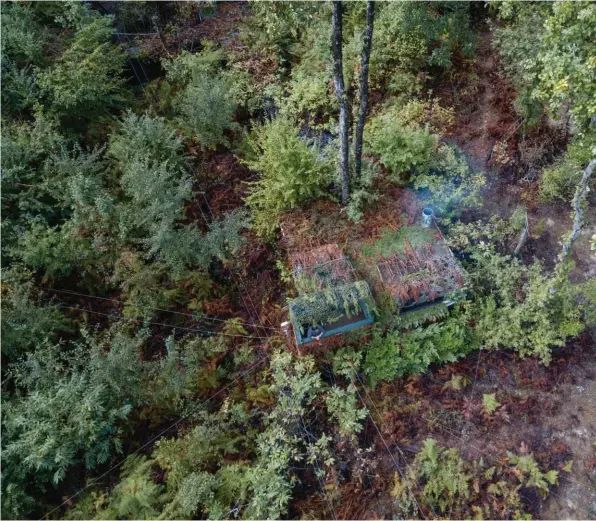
column 163, row 161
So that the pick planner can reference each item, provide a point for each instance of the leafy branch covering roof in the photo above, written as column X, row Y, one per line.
column 420, row 275
column 328, row 287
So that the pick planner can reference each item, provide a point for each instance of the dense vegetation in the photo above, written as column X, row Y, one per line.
column 145, row 184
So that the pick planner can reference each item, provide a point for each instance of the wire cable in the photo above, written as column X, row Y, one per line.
column 198, row 317
column 183, row 417
column 195, row 330
column 385, row 427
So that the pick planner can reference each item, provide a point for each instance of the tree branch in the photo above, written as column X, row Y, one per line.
column 581, row 192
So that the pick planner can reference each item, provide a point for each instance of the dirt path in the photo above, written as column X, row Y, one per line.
column 567, row 412
column 487, row 132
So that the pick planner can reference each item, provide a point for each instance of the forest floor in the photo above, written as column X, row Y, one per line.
column 485, row 118
column 549, row 411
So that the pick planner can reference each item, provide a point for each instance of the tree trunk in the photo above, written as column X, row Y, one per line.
column 367, row 44
column 338, row 79
column 523, row 238
column 578, row 200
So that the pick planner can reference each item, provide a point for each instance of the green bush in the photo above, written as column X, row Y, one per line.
column 394, row 47
column 381, row 360
column 146, row 137
column 557, row 71
column 73, row 408
column 400, row 145
column 86, row 82
column 292, row 172
column 560, row 180
column 206, row 110
column 25, row 322
column 342, row 405
column 405, row 353
column 447, row 182
column 521, row 307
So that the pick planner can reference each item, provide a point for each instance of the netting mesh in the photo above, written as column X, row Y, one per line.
column 328, row 287
column 321, row 268
column 421, row 275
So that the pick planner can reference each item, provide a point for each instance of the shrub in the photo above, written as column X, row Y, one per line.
column 522, row 308
column 146, row 137
column 206, row 109
column 405, row 353
column 558, row 70
column 291, row 172
column 447, row 181
column 381, row 362
column 342, row 405
column 400, row 145
column 75, row 408
column 86, row 82
column 136, row 496
column 560, row 180
column 395, row 47
column 26, row 323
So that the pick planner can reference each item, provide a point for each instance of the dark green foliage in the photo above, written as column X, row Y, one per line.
column 292, row 172
column 25, row 147
column 446, row 28
column 22, row 38
column 204, row 102
column 136, row 496
column 86, row 82
column 25, row 322
column 278, row 25
column 403, row 353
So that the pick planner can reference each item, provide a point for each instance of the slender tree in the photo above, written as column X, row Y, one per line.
column 581, row 193
column 367, row 44
column 338, row 78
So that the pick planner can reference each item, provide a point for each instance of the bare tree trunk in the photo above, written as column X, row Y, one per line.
column 368, row 33
column 581, row 193
column 338, row 78
column 523, row 238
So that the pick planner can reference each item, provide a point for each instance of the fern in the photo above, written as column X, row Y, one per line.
column 530, row 474
column 342, row 405
column 419, row 317
column 136, row 496
column 446, row 480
